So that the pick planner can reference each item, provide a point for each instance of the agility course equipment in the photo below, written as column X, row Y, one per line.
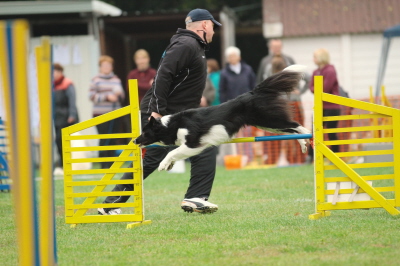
column 360, row 183
column 257, row 139
column 383, row 121
column 350, row 183
column 4, row 175
column 76, row 209
column 36, row 237
column 85, row 211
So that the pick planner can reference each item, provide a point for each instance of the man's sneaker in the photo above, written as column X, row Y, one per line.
column 198, row 205
column 110, row 212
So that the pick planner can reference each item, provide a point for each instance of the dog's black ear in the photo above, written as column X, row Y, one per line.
column 152, row 120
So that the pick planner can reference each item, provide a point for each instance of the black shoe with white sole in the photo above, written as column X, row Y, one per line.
column 109, row 212
column 198, row 205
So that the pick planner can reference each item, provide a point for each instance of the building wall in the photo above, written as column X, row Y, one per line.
column 80, row 70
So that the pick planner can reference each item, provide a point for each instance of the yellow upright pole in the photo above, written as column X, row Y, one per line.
column 5, row 78
column 13, row 45
column 136, row 130
column 318, row 156
column 388, row 120
column 374, row 120
column 47, row 225
column 396, row 155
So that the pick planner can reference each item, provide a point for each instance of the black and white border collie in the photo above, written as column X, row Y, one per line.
column 265, row 107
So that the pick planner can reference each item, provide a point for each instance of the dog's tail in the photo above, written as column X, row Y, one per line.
column 285, row 81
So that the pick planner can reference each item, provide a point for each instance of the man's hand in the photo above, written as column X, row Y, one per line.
column 155, row 115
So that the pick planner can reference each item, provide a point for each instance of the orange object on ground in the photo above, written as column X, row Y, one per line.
column 233, row 162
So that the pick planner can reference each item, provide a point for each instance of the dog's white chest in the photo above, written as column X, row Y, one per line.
column 181, row 136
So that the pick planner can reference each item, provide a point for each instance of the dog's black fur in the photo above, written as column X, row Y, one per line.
column 265, row 107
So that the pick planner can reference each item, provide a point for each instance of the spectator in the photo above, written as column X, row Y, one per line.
column 208, row 94
column 236, row 78
column 143, row 72
column 65, row 111
column 331, row 85
column 214, row 74
column 265, row 68
column 106, row 93
column 289, row 151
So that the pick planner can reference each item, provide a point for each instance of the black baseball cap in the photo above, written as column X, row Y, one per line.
column 199, row 15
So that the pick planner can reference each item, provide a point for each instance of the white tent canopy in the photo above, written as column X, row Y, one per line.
column 388, row 34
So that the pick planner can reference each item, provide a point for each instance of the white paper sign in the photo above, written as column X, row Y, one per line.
column 76, row 55
column 61, row 54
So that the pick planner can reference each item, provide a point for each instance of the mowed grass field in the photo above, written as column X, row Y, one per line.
column 262, row 220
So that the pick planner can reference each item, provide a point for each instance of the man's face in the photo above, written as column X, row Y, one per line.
column 276, row 47
column 209, row 29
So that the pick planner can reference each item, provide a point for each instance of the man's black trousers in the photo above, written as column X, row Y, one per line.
column 201, row 176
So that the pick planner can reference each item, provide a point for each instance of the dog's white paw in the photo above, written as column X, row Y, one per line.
column 304, row 149
column 303, row 145
column 166, row 165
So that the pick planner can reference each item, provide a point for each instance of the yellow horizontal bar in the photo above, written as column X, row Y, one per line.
column 104, row 218
column 101, row 194
column 352, row 205
column 103, row 148
column 357, row 104
column 349, row 191
column 240, row 140
column 355, row 129
column 347, row 179
column 353, row 117
column 363, row 153
column 102, row 205
column 361, row 165
column 133, row 181
column 104, row 159
column 102, row 171
column 99, row 119
column 103, row 136
column 357, row 141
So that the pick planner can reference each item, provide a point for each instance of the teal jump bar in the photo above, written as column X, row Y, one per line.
column 257, row 139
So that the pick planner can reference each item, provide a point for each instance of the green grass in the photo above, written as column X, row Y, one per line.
column 262, row 220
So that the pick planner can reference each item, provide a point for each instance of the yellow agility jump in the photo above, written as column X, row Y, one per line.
column 76, row 210
column 361, row 183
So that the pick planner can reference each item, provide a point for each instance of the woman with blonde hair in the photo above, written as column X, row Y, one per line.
column 331, row 85
column 143, row 72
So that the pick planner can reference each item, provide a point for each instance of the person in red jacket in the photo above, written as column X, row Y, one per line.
column 143, row 72
column 331, row 85
column 65, row 111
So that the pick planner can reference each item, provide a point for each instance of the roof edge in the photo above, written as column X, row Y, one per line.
column 56, row 7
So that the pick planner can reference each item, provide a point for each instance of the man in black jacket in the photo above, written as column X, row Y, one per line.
column 178, row 86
